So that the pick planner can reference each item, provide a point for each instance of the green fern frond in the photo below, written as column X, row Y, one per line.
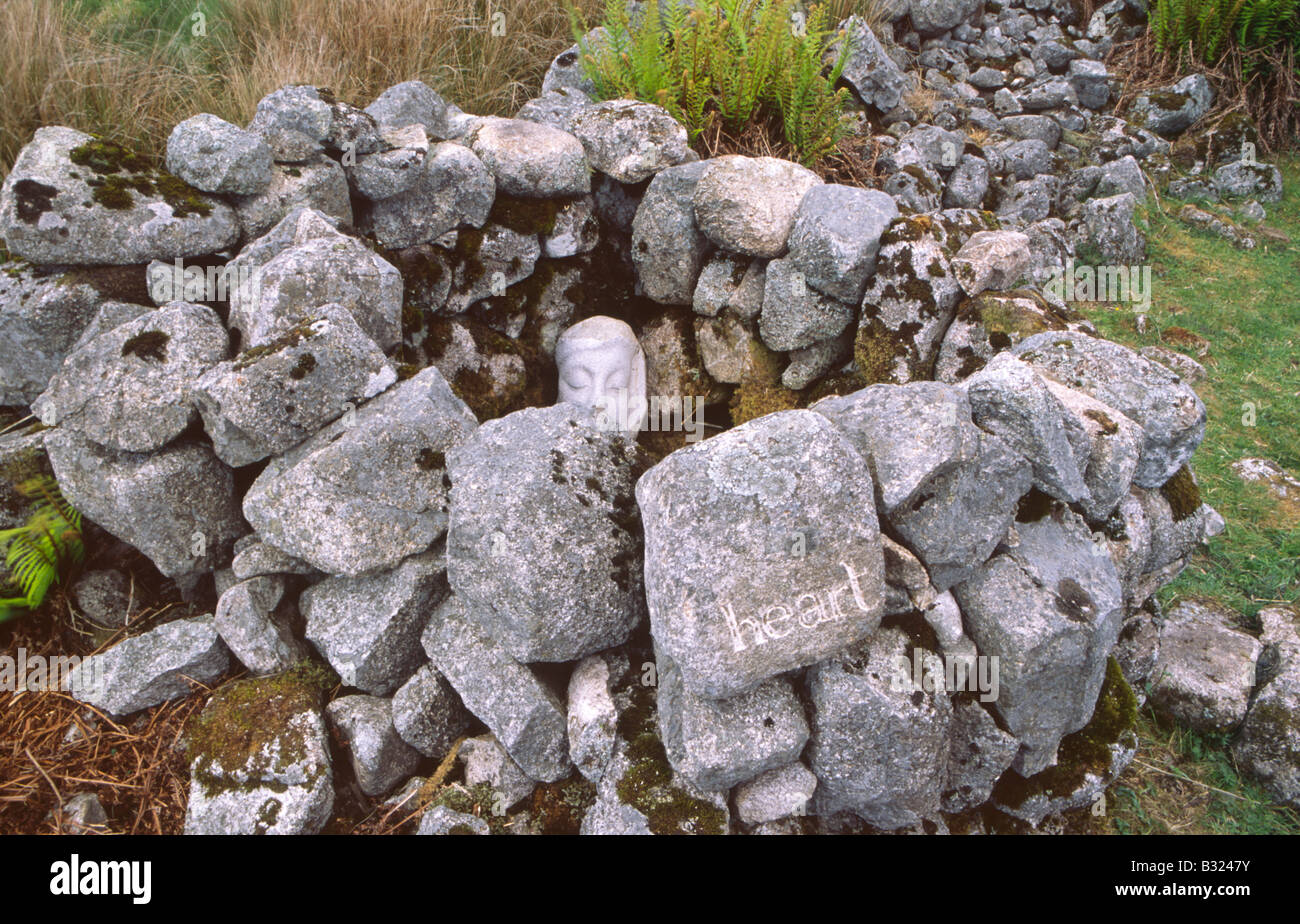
column 43, row 550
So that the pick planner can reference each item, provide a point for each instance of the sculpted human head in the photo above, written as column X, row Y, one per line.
column 602, row 366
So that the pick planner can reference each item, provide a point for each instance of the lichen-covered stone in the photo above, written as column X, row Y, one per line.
column 732, row 613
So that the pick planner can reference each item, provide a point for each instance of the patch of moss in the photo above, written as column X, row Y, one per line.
column 235, row 729
column 1103, row 420
column 647, row 785
column 877, row 349
column 760, row 390
column 149, row 344
column 305, row 365
column 558, row 808
column 526, row 216
column 1183, row 495
column 479, row 800
column 1087, row 751
column 120, row 171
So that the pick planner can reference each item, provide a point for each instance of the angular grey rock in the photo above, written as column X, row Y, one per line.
column 486, row 761
column 1205, row 671
column 909, row 302
column 149, row 669
column 41, row 319
column 44, row 218
column 794, row 314
column 748, row 204
column 1169, row 110
column 176, row 505
column 991, row 260
column 668, row 247
column 82, row 814
column 812, row 362
column 1172, row 417
column 1049, row 608
column 1121, row 176
column 1040, row 127
column 1089, row 81
column 410, row 103
column 729, row 281
column 317, row 184
column 542, row 545
column 1268, row 747
column 503, row 257
column 576, row 229
column 367, row 490
column 523, row 714
column 979, row 754
column 932, row 17
column 299, row 120
column 879, row 748
column 1239, row 179
column 212, row 155
column 1113, row 448
column 255, row 558
column 129, row 388
column 531, row 159
column 630, row 140
column 1186, row 368
column 1022, row 159
column 593, row 713
column 716, row 744
column 869, row 70
column 985, row 325
column 380, row 758
column 334, row 269
column 428, row 714
column 451, row 188
column 247, row 622
column 555, row 107
column 724, row 345
column 279, row 780
column 968, row 185
column 271, row 398
column 395, row 167
column 566, row 70
column 733, row 614
column 946, row 487
column 776, row 794
column 379, row 653
column 440, row 820
column 609, row 816
column 836, row 237
column 1009, row 400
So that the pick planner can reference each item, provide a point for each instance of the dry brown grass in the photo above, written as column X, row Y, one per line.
column 1270, row 97
column 60, row 69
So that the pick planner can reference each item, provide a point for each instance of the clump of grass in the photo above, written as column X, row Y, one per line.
column 727, row 63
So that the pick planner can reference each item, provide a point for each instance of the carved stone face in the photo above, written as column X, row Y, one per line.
column 601, row 366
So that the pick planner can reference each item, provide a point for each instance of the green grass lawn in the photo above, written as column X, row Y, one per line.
column 1246, row 304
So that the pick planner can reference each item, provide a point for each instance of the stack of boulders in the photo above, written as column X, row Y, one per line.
column 935, row 460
